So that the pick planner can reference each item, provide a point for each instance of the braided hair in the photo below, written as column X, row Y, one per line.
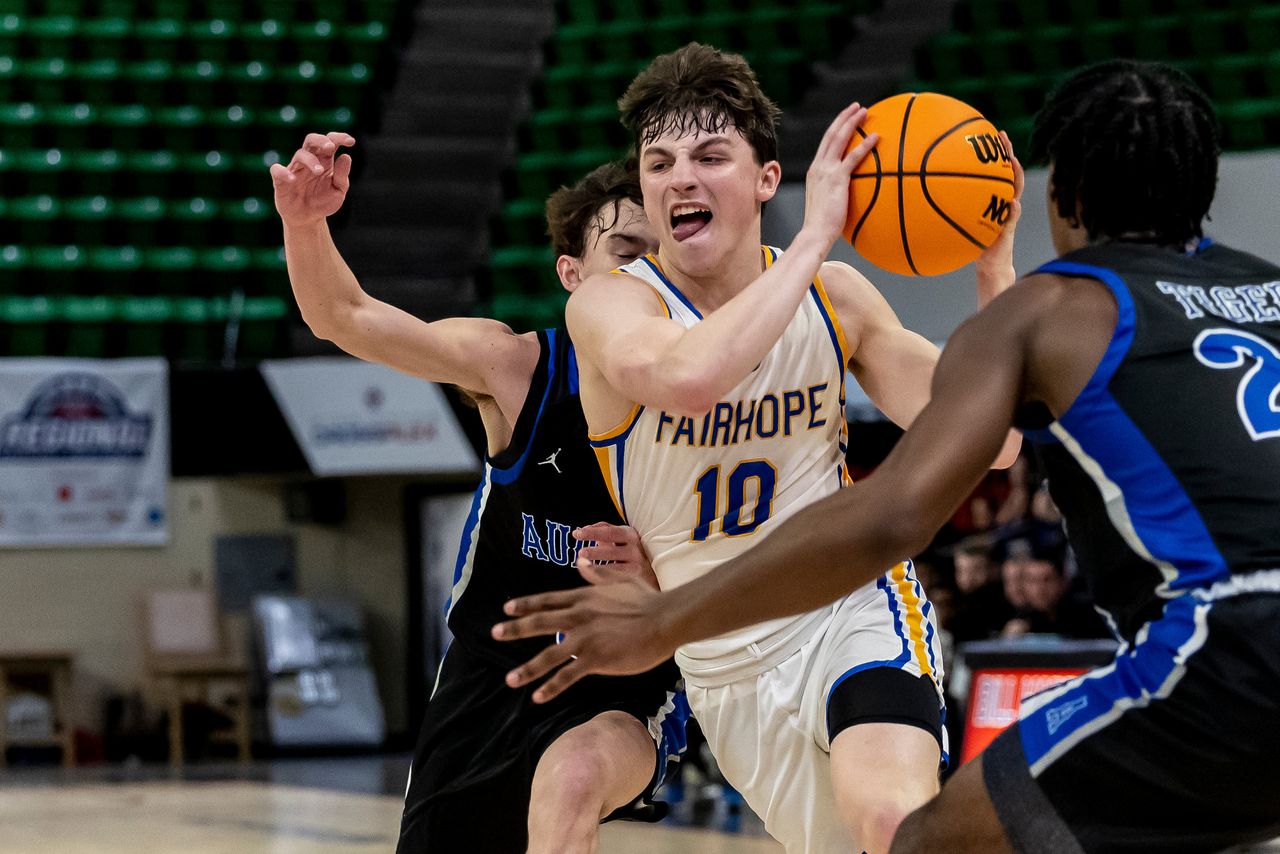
column 1134, row 148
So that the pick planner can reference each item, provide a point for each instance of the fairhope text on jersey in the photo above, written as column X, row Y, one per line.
column 730, row 423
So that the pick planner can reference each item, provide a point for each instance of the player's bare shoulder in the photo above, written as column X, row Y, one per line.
column 857, row 302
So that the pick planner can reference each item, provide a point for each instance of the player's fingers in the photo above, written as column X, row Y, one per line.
column 305, row 161
column 318, row 144
column 1019, row 177
column 538, row 666
column 541, row 602
column 861, row 150
column 280, row 174
column 607, row 551
column 536, row 625
column 836, row 135
column 604, row 574
column 603, row 532
column 338, row 137
column 560, row 681
column 342, row 172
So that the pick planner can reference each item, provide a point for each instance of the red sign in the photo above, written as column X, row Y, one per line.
column 994, row 699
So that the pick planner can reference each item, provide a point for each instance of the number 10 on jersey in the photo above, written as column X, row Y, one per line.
column 708, row 490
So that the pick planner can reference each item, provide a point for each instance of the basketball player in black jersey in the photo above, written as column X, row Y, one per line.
column 1145, row 362
column 494, row 773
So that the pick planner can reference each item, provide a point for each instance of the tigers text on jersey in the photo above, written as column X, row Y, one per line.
column 703, row 490
column 1167, row 465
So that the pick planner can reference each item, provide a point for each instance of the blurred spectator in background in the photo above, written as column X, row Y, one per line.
column 980, row 610
column 1039, row 585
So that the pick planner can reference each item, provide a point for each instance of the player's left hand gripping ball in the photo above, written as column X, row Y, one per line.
column 613, row 628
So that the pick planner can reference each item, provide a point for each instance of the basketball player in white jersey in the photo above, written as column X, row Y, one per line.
column 712, row 380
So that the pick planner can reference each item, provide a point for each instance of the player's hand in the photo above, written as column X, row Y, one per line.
column 994, row 267
column 616, row 547
column 315, row 183
column 611, row 628
column 826, row 187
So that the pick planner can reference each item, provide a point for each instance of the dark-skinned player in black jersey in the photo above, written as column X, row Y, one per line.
column 493, row 771
column 1145, row 364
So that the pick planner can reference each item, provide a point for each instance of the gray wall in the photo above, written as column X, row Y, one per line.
column 1245, row 214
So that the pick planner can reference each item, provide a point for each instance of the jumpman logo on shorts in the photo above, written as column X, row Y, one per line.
column 551, row 461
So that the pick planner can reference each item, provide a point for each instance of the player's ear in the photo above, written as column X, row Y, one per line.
column 569, row 269
column 767, row 184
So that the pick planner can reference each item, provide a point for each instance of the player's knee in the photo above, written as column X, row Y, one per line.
column 879, row 822
column 575, row 779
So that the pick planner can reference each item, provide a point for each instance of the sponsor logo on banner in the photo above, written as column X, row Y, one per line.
column 76, row 415
column 84, row 452
column 352, row 417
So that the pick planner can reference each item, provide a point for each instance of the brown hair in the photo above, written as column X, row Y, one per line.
column 573, row 210
column 700, row 89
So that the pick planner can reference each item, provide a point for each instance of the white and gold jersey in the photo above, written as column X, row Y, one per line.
column 703, row 490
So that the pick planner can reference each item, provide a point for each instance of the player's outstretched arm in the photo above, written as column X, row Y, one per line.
column 471, row 352
column 820, row 553
column 657, row 362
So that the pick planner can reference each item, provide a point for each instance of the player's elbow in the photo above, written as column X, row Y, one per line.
column 694, row 392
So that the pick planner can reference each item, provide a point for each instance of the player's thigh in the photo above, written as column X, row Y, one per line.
column 611, row 757
column 959, row 820
column 765, row 753
column 889, row 764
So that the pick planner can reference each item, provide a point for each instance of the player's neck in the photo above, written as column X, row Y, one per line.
column 709, row 291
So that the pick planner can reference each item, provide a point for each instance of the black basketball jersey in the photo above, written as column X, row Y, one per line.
column 518, row 537
column 1167, row 465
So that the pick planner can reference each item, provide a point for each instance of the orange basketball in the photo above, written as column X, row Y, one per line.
column 934, row 192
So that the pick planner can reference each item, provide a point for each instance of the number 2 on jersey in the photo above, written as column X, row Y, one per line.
column 1259, row 390
column 708, row 491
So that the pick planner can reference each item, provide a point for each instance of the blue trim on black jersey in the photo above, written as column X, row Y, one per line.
column 507, row 475
column 1159, row 509
column 1146, row 672
column 464, row 545
column 657, row 272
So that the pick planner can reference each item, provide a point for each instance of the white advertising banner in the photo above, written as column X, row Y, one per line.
column 354, row 417
column 84, row 452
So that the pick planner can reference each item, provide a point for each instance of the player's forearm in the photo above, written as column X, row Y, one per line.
column 818, row 555
column 324, row 286
column 716, row 354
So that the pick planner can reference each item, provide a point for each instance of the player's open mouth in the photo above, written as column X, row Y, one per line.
column 688, row 220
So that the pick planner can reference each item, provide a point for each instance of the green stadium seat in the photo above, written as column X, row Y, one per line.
column 51, row 36
column 140, row 217
column 170, row 267
column 20, row 124
column 347, row 84
column 266, row 41
column 208, row 171
column 150, row 80
column 145, row 319
column 106, row 37
column 71, row 124
column 27, row 319
column 35, row 218
column 115, row 269
column 181, row 128
column 97, row 81
column 228, row 263
column 364, row 42
column 193, row 218
column 160, row 38
column 90, row 217
column 1250, row 123
column 199, row 81
column 261, row 322
column 41, row 170
column 197, row 327
column 128, row 126
column 249, row 80
column 87, row 318
column 98, row 171
column 229, row 126
column 316, row 41
column 211, row 40
column 14, row 263
column 57, row 268
column 12, row 31
column 1262, row 27
column 247, row 221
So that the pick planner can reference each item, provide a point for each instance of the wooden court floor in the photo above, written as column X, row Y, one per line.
column 251, row 817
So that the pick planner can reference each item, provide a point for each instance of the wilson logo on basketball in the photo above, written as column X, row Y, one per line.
column 997, row 210
column 987, row 147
